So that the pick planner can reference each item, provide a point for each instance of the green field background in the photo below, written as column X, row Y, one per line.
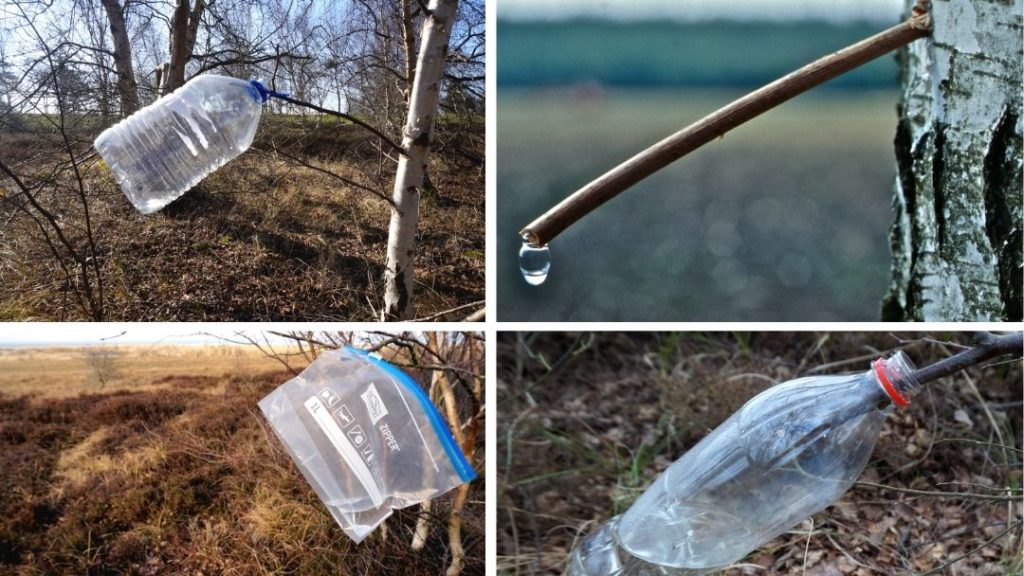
column 784, row 219
column 717, row 53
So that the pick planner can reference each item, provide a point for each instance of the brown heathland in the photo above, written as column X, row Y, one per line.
column 169, row 468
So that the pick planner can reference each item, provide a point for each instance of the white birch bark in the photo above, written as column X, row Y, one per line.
column 956, row 239
column 422, row 531
column 127, row 88
column 412, row 166
column 409, row 37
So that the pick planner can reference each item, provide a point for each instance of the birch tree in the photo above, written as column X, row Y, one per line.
column 127, row 88
column 956, row 240
column 184, row 27
column 412, row 165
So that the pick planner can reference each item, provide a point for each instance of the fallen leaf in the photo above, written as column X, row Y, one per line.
column 962, row 417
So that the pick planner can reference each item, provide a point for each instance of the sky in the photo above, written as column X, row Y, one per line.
column 689, row 10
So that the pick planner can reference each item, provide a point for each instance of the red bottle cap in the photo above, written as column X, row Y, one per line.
column 897, row 398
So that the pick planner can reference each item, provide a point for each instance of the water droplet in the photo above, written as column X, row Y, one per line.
column 534, row 263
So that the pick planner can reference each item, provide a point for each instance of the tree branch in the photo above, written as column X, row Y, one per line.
column 989, row 346
column 348, row 117
column 275, row 150
column 618, row 179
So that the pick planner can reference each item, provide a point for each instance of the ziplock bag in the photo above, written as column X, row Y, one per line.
column 366, row 437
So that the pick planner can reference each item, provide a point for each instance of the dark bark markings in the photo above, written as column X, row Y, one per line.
column 1002, row 168
column 950, row 260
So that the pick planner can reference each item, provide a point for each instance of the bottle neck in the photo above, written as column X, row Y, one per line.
column 895, row 375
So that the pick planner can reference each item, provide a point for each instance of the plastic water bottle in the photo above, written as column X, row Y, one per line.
column 786, row 454
column 166, row 148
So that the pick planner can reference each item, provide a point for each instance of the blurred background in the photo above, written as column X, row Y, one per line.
column 785, row 218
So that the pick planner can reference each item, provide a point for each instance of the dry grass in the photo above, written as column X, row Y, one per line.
column 176, row 472
column 588, row 421
column 263, row 238
column 64, row 372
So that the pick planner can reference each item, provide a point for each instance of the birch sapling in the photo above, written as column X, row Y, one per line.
column 412, row 164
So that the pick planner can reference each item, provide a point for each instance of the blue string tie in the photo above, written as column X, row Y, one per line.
column 261, row 93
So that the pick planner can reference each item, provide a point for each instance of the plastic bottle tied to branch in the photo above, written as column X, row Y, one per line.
column 166, row 148
column 788, row 453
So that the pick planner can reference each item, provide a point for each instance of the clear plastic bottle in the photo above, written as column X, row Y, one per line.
column 788, row 453
column 166, row 148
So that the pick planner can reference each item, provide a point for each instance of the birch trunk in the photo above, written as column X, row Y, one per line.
column 956, row 240
column 184, row 27
column 127, row 88
column 409, row 36
column 412, row 165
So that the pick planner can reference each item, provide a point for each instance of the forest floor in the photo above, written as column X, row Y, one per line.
column 169, row 468
column 588, row 421
column 262, row 239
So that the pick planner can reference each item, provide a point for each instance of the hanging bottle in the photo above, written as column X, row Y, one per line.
column 788, row 453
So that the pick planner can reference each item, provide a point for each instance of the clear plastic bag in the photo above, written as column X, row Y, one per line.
column 366, row 437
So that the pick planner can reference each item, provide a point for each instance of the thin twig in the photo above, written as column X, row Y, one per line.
column 348, row 117
column 856, row 360
column 807, row 546
column 618, row 179
column 990, row 346
column 273, row 149
column 936, row 494
column 450, row 310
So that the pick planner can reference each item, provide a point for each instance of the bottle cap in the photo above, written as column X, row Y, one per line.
column 896, row 377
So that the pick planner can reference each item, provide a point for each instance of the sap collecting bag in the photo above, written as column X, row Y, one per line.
column 366, row 437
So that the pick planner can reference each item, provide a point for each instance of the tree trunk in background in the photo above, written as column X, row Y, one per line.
column 409, row 37
column 412, row 166
column 956, row 240
column 126, row 86
column 184, row 27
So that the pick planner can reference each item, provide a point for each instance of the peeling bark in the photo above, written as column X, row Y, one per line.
column 412, row 166
column 127, row 88
column 956, row 238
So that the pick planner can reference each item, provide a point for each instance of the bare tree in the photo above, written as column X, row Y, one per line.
column 184, row 27
column 956, row 240
column 103, row 361
column 126, row 85
column 58, row 95
column 412, row 166
column 8, row 80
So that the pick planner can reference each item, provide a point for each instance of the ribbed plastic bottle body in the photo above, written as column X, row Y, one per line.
column 166, row 148
column 786, row 454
